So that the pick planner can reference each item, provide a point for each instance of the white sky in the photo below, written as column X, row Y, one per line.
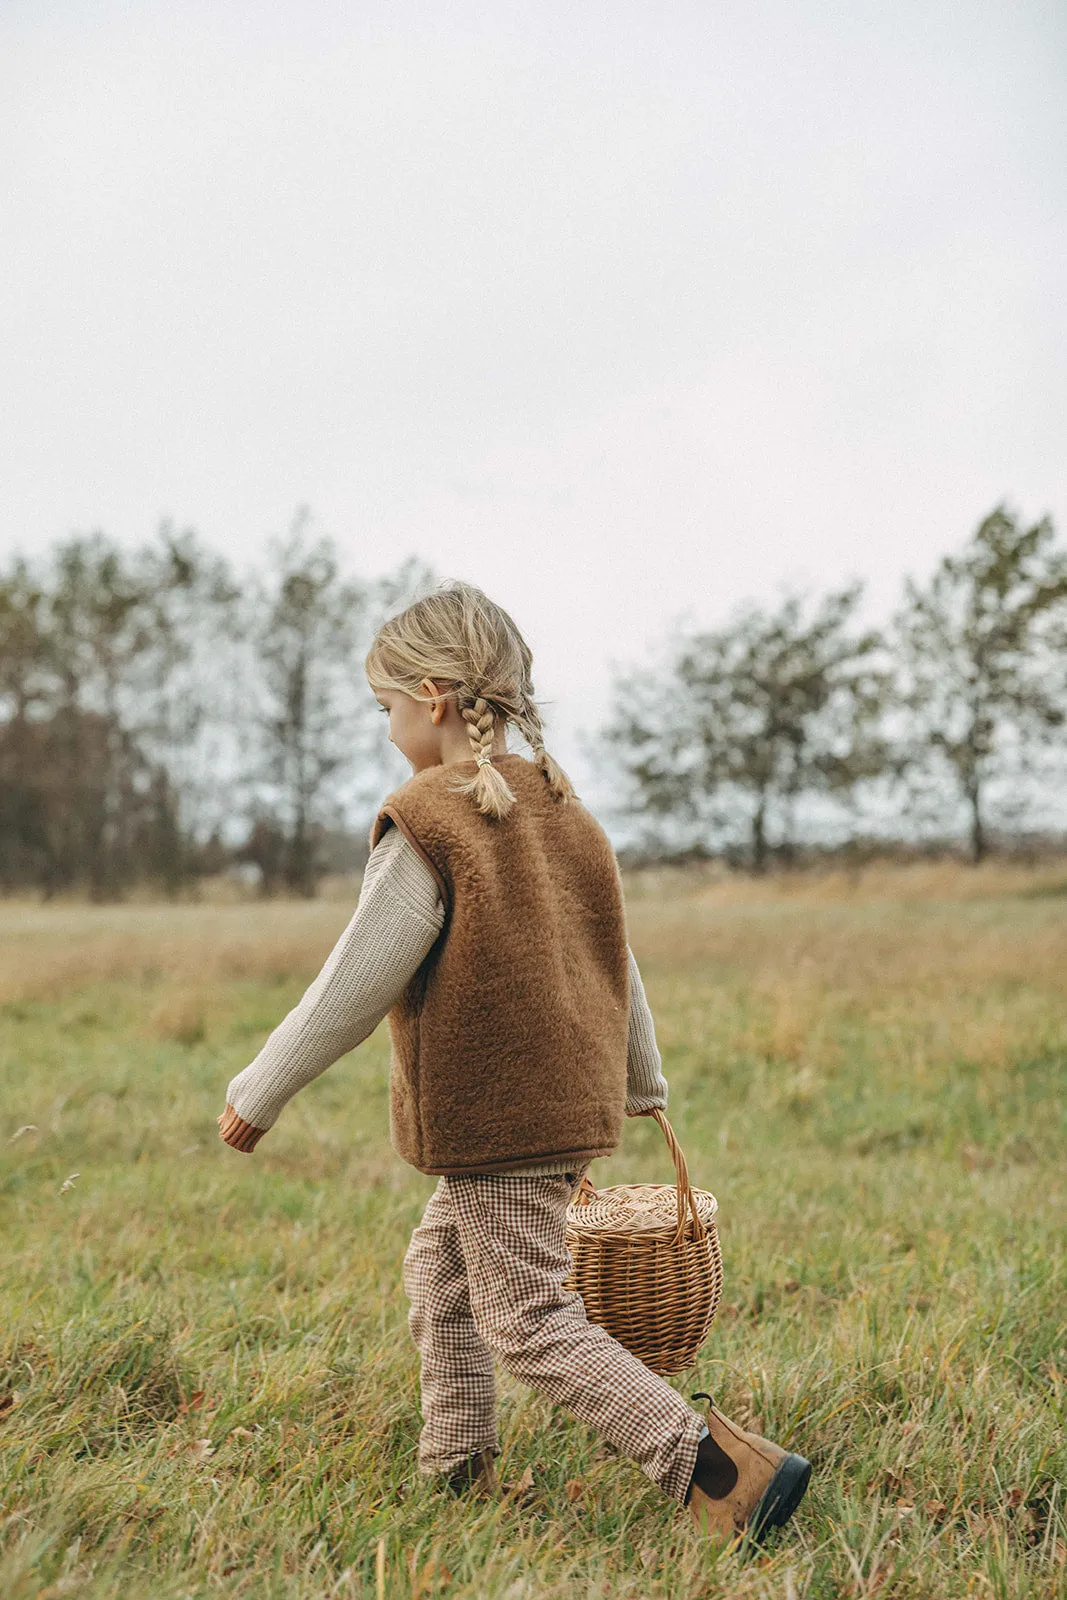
column 623, row 311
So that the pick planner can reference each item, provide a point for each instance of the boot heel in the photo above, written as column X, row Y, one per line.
column 781, row 1497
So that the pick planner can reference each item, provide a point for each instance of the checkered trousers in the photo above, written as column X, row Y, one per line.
column 484, row 1273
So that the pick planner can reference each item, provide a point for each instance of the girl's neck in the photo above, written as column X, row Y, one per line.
column 456, row 746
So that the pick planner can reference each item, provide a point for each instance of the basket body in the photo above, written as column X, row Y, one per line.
column 648, row 1273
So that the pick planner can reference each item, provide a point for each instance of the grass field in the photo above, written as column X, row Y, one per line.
column 207, row 1384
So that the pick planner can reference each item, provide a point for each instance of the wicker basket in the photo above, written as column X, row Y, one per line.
column 647, row 1262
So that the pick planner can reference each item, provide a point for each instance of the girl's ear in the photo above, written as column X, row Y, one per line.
column 438, row 706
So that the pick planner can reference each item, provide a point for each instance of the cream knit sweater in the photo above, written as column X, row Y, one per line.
column 396, row 921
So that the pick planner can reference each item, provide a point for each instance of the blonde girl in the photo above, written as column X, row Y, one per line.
column 491, row 930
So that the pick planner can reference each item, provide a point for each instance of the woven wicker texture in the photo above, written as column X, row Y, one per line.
column 647, row 1262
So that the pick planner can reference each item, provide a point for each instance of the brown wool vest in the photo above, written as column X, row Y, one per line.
column 509, row 1043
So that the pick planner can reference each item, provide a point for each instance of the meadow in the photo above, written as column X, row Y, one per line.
column 207, row 1384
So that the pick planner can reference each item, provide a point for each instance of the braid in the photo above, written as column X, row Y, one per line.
column 480, row 720
column 492, row 792
column 530, row 722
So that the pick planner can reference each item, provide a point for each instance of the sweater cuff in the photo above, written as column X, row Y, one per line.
column 235, row 1131
column 644, row 1108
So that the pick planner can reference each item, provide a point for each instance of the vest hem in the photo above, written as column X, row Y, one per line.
column 578, row 1157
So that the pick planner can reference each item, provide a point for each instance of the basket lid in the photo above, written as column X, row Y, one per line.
column 645, row 1209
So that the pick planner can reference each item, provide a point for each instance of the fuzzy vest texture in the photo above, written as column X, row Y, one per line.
column 509, row 1043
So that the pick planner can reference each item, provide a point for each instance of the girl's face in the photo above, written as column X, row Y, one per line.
column 415, row 726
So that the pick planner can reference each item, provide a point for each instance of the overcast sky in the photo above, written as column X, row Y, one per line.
column 623, row 311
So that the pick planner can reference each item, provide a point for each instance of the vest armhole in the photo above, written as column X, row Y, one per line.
column 398, row 820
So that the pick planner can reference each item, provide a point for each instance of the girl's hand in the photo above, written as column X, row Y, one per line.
column 236, row 1132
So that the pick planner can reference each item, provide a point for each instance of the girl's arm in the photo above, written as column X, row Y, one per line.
column 396, row 922
column 646, row 1087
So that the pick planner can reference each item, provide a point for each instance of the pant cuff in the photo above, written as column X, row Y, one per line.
column 677, row 1478
column 450, row 1465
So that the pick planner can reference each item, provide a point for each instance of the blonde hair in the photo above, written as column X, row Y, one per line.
column 458, row 635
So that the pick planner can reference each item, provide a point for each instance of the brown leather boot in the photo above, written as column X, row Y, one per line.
column 475, row 1476
column 742, row 1483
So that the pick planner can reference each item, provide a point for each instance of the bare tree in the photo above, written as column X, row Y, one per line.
column 186, row 698
column 983, row 658
column 310, row 628
column 97, row 628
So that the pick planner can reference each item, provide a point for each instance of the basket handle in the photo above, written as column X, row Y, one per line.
column 686, row 1198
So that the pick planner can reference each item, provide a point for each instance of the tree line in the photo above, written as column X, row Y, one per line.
column 747, row 737
column 164, row 717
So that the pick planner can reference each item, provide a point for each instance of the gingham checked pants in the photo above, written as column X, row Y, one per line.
column 484, row 1273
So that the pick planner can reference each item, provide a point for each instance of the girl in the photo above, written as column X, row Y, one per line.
column 491, row 929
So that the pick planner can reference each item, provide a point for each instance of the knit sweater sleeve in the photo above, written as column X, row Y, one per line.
column 646, row 1087
column 398, row 917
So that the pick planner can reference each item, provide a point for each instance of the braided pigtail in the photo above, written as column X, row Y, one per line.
column 529, row 721
column 489, row 788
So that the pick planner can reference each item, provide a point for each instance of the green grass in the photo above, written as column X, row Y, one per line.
column 207, row 1384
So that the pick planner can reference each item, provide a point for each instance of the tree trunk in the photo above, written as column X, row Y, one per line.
column 759, row 836
column 300, row 874
column 979, row 845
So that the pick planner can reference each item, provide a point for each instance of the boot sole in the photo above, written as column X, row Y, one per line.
column 780, row 1498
